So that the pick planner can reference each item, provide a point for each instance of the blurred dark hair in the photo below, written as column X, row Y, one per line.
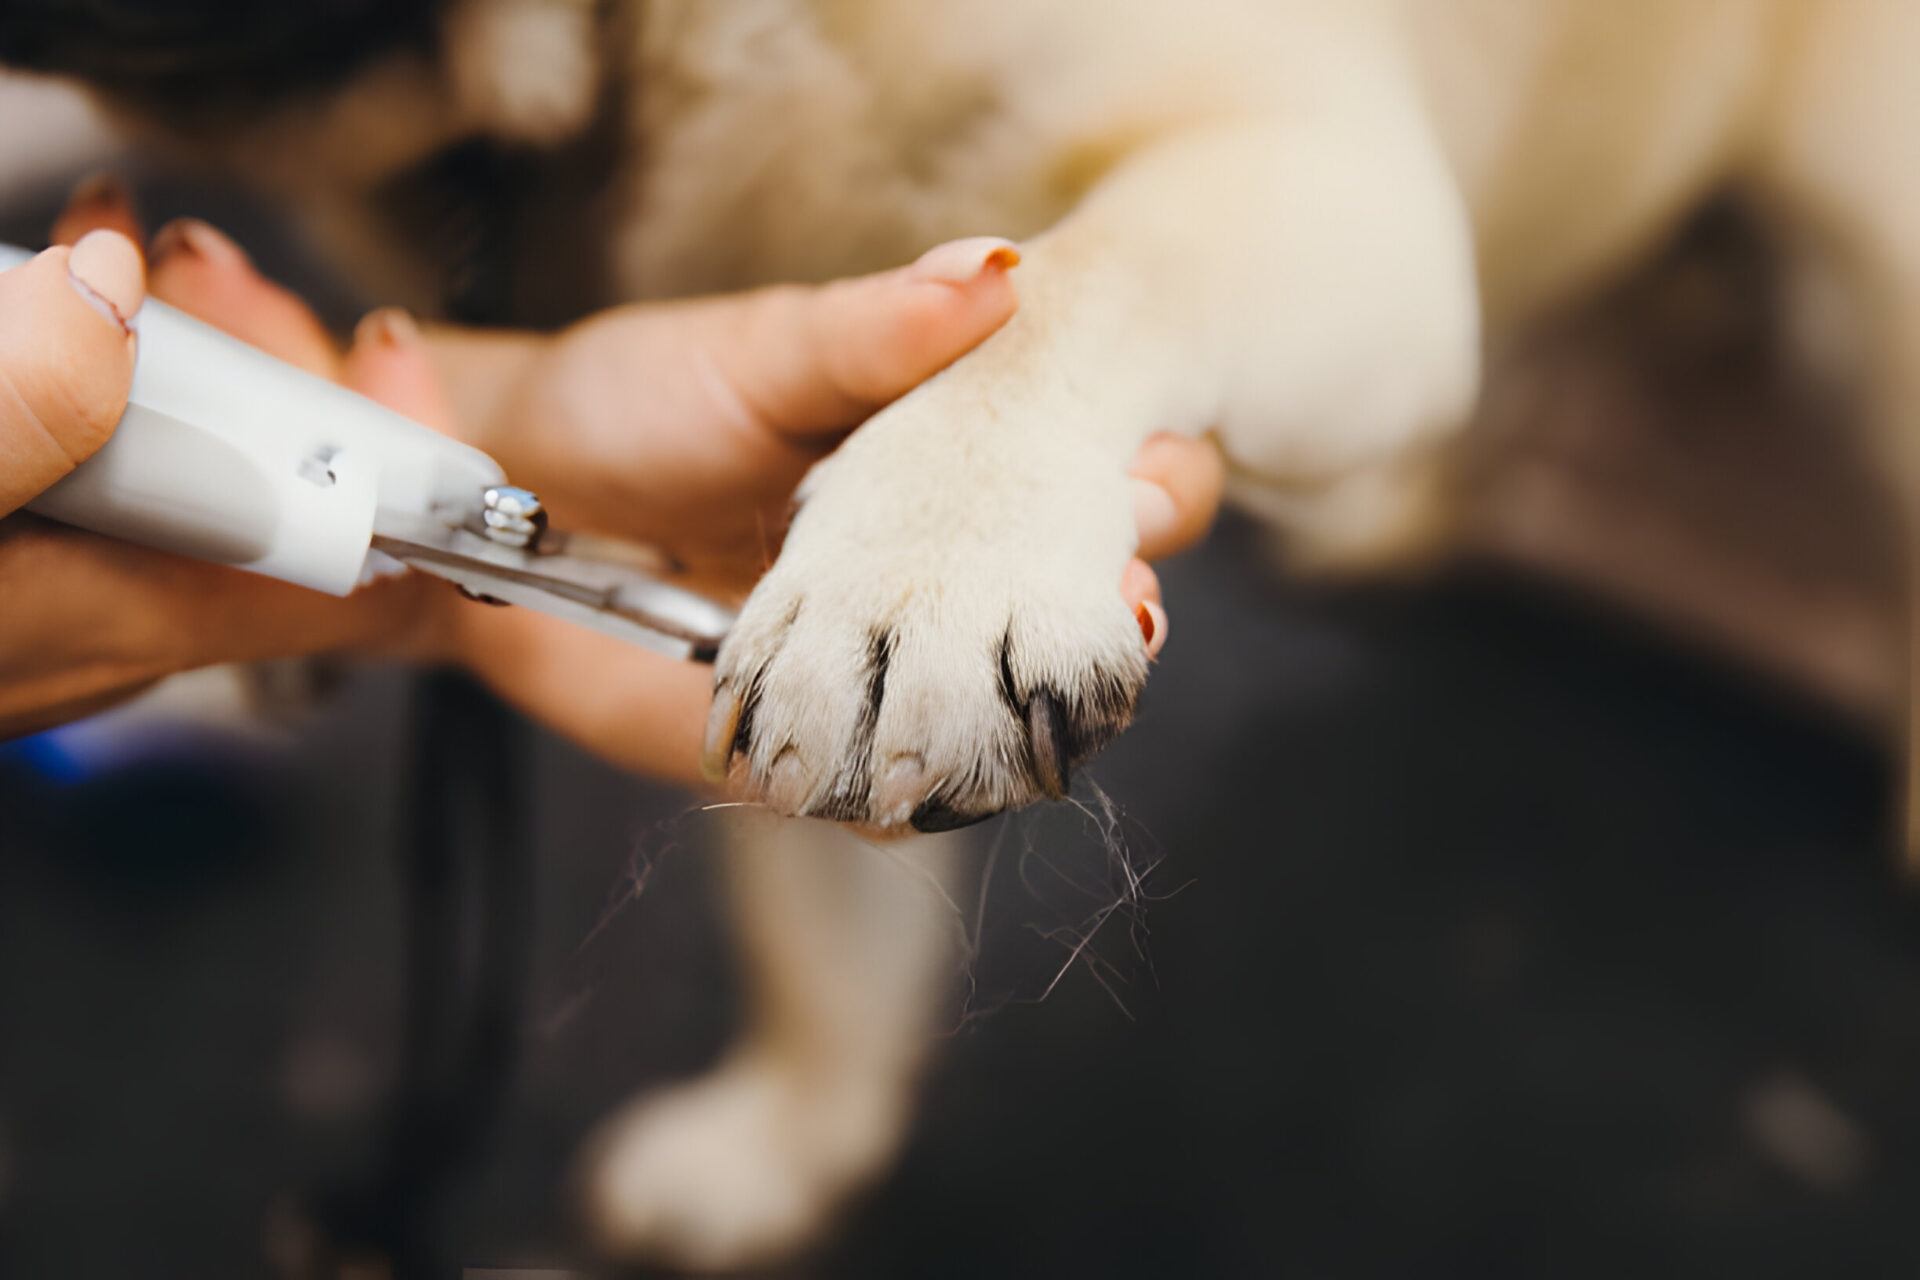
column 188, row 55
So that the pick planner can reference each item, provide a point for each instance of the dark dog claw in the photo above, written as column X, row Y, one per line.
column 937, row 815
column 1052, row 750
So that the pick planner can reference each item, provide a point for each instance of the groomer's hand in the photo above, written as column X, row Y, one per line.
column 789, row 346
column 688, row 425
column 89, row 621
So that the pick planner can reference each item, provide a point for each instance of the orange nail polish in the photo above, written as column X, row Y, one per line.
column 389, row 327
column 1153, row 626
column 960, row 262
column 198, row 239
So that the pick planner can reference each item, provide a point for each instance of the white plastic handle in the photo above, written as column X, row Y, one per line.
column 226, row 454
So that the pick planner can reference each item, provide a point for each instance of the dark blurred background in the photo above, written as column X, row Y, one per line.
column 1497, row 934
column 1514, row 943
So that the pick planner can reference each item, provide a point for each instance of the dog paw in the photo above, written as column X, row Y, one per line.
column 735, row 1169
column 934, row 651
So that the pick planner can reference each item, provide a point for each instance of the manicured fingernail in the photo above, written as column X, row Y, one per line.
column 105, row 191
column 1154, row 515
column 389, row 327
column 1153, row 626
column 198, row 239
column 105, row 270
column 964, row 261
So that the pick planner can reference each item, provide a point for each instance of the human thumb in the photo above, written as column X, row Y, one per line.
column 66, row 358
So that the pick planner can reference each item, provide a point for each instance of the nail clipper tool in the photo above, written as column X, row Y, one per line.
column 228, row 455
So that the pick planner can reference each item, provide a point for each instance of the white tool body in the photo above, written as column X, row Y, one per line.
column 228, row 455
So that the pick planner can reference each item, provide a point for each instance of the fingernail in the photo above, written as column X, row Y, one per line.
column 389, row 327
column 1153, row 626
column 1154, row 515
column 197, row 239
column 105, row 269
column 964, row 261
column 105, row 190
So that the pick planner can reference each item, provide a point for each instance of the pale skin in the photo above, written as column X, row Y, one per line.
column 687, row 424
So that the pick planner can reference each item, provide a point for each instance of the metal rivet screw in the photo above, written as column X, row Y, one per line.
column 513, row 516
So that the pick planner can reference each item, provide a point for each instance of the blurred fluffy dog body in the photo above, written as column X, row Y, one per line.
column 1297, row 224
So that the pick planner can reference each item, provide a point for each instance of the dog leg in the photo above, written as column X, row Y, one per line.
column 942, row 636
column 1838, row 150
column 845, row 948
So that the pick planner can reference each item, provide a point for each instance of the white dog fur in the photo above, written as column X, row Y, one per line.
column 1296, row 224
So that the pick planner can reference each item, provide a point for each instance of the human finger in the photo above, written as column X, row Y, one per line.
column 1178, row 483
column 204, row 273
column 98, row 203
column 66, row 358
column 815, row 360
column 1140, row 588
column 389, row 362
